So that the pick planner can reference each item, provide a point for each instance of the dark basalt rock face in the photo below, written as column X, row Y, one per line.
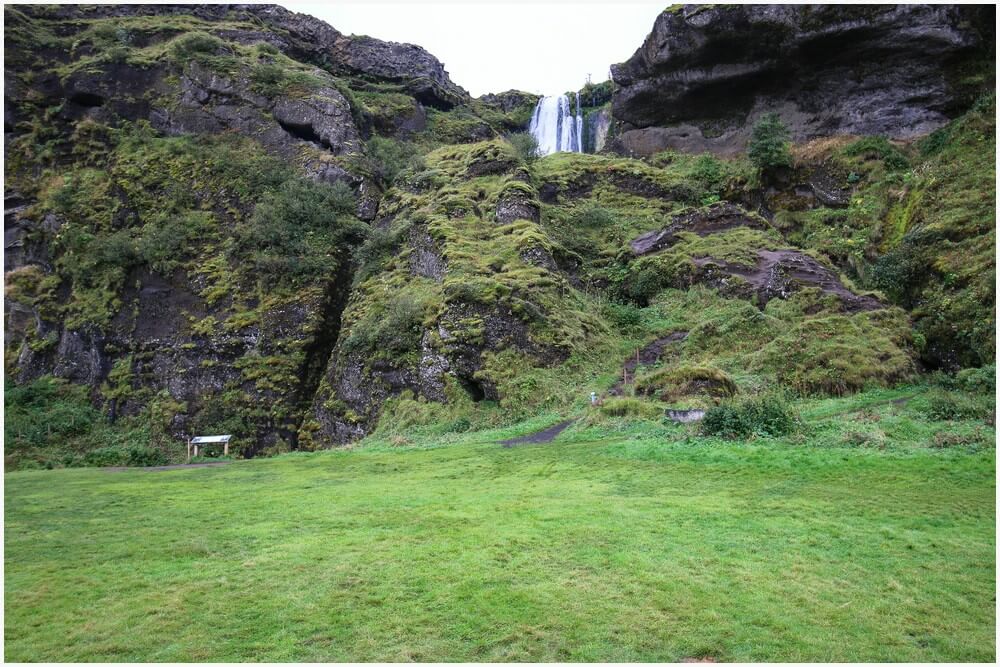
column 707, row 72
column 716, row 218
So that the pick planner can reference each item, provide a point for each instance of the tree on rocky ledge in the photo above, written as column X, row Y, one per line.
column 769, row 143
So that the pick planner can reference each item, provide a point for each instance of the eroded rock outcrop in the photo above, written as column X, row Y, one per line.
column 707, row 72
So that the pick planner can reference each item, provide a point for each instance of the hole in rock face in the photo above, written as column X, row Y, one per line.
column 474, row 389
column 86, row 99
column 303, row 131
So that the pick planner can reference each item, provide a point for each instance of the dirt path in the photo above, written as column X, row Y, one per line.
column 648, row 356
column 179, row 466
column 539, row 437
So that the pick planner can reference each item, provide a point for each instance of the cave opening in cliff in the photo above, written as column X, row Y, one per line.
column 474, row 389
column 87, row 99
column 305, row 132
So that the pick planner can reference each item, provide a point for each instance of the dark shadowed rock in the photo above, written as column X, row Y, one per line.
column 712, row 219
column 707, row 72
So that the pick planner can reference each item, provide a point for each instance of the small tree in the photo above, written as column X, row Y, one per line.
column 769, row 143
column 525, row 145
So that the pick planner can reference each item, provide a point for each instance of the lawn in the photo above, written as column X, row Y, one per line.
column 613, row 543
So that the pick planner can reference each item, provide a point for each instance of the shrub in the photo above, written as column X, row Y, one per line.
column 762, row 416
column 196, row 42
column 878, row 148
column 630, row 407
column 266, row 79
column 525, row 145
column 593, row 216
column 302, row 228
column 165, row 242
column 982, row 380
column 901, row 271
column 769, row 141
column 708, row 171
column 671, row 383
column 46, row 412
column 378, row 247
column 942, row 405
column 625, row 316
column 388, row 157
column 130, row 455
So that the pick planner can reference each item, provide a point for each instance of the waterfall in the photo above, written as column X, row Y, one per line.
column 555, row 127
column 579, row 124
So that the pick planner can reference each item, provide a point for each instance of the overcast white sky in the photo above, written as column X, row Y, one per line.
column 491, row 47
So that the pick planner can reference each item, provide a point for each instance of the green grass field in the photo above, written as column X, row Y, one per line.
column 619, row 541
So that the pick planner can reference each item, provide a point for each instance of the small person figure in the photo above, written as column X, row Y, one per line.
column 593, row 398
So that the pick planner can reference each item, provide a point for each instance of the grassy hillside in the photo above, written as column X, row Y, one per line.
column 866, row 536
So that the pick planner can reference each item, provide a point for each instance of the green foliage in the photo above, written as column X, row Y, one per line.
column 769, row 142
column 765, row 416
column 51, row 423
column 267, row 79
column 392, row 329
column 593, row 216
column 388, row 157
column 130, row 455
column 625, row 316
column 525, row 145
column 630, row 407
column 878, row 148
column 941, row 404
column 299, row 230
column 837, row 354
column 167, row 240
column 936, row 248
column 193, row 44
column 669, row 384
column 376, row 250
column 46, row 412
column 979, row 380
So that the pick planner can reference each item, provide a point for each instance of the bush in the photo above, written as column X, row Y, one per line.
column 944, row 405
column 46, row 412
column 166, row 242
column 672, row 383
column 593, row 216
column 388, row 157
column 300, row 229
column 901, row 271
column 625, row 316
column 630, row 407
column 131, row 455
column 379, row 245
column 982, row 380
column 266, row 79
column 769, row 141
column 708, row 171
column 761, row 416
column 878, row 148
column 197, row 42
column 525, row 145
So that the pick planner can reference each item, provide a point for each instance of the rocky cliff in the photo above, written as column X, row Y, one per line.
column 237, row 219
column 706, row 72
column 176, row 236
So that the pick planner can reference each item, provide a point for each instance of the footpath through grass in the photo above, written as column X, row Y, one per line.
column 624, row 548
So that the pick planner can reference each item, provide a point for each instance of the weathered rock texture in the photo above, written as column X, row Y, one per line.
column 707, row 72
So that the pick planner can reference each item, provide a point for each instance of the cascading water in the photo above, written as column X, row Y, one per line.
column 554, row 126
